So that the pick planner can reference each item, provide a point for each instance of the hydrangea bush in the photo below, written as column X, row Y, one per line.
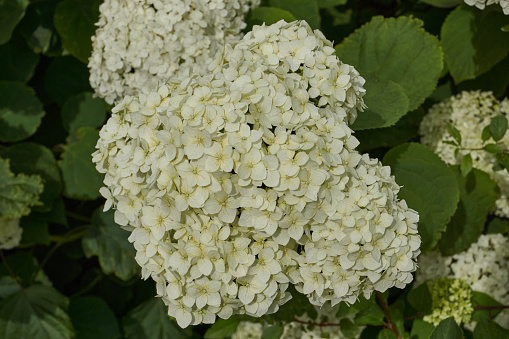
column 236, row 183
column 262, row 178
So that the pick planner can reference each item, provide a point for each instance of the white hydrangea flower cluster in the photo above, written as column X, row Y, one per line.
column 484, row 267
column 144, row 42
column 469, row 112
column 237, row 183
column 10, row 233
column 302, row 328
column 481, row 4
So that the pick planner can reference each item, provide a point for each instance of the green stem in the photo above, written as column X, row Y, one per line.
column 89, row 286
column 78, row 217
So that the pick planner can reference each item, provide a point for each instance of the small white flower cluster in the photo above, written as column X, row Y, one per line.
column 237, row 183
column 144, row 42
column 10, row 233
column 484, row 267
column 469, row 112
column 481, row 4
column 302, row 328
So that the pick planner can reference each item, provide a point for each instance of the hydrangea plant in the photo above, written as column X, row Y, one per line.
column 237, row 183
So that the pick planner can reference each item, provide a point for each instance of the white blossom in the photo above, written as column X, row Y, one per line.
column 470, row 113
column 275, row 193
column 481, row 4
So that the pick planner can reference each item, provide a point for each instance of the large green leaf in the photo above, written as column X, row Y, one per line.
column 38, row 312
column 74, row 21
column 32, row 158
column 17, row 192
column 273, row 332
column 109, row 243
column 81, row 180
column 268, row 15
column 429, row 187
column 447, row 329
column 443, row 3
column 484, row 300
column 420, row 298
column 330, row 3
column 477, row 197
column 488, row 329
column 150, row 320
column 82, row 110
column 421, row 329
column 396, row 50
column 37, row 26
column 222, row 328
column 302, row 9
column 495, row 80
column 473, row 42
column 93, row 318
column 65, row 77
column 17, row 60
column 20, row 111
column 11, row 12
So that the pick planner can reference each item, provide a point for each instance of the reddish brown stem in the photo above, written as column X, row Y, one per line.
column 385, row 307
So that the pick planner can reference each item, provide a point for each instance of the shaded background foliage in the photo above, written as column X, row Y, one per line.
column 74, row 273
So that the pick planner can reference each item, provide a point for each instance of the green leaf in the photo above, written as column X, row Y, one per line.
column 32, row 158
column 360, row 305
column 37, row 26
column 23, row 264
column 396, row 310
column 109, row 243
column 150, row 320
column 397, row 50
column 429, row 187
column 488, row 329
column 93, row 318
column 482, row 299
column 81, row 180
column 20, row 111
column 447, row 329
column 498, row 127
column 421, row 329
column 17, row 61
column 505, row 28
column 37, row 312
column 454, row 133
column 387, row 102
column 66, row 77
column 268, row 15
column 386, row 334
column 273, row 332
column 473, row 42
column 8, row 286
column 486, row 134
column 466, row 165
column 222, row 328
column 82, row 110
column 373, row 315
column 497, row 225
column 74, row 21
column 503, row 159
column 404, row 130
column 302, row 9
column 477, row 197
column 17, row 192
column 493, row 148
column 349, row 329
column 11, row 12
column 331, row 3
column 443, row 3
column 495, row 80
column 420, row 298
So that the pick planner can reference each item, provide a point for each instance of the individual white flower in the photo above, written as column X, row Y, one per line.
column 481, row 4
column 470, row 113
column 10, row 233
column 484, row 267
column 142, row 43
column 272, row 192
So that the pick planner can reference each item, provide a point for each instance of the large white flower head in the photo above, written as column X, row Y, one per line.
column 469, row 112
column 10, row 233
column 237, row 183
column 481, row 4
column 484, row 267
column 144, row 42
